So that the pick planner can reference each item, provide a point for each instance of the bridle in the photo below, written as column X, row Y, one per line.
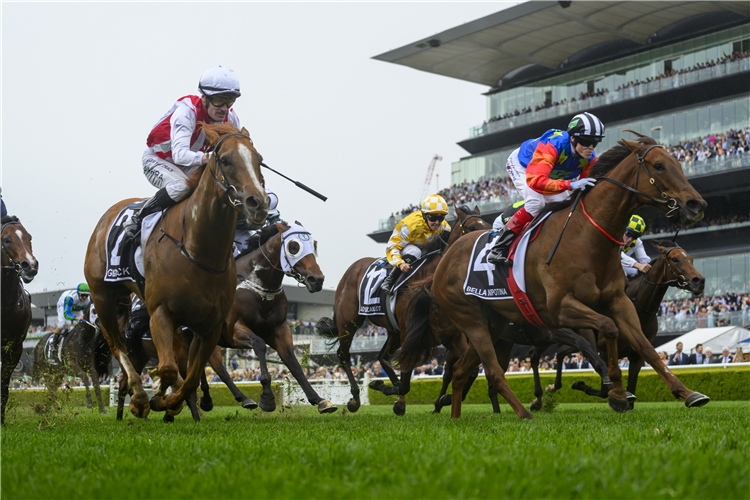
column 679, row 280
column 235, row 202
column 463, row 223
column 293, row 272
column 14, row 265
column 671, row 202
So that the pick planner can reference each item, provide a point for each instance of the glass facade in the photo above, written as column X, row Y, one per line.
column 610, row 75
column 669, row 129
column 727, row 273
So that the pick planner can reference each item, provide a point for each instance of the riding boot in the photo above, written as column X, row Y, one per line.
column 390, row 280
column 160, row 201
column 55, row 345
column 514, row 227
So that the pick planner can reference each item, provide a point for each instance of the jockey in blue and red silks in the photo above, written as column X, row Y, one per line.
column 546, row 169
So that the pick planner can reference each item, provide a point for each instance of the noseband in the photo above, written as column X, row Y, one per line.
column 671, row 202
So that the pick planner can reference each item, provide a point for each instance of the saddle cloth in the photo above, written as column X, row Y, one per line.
column 501, row 282
column 371, row 295
column 125, row 256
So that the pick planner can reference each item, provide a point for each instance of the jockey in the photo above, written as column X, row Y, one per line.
column 633, row 256
column 68, row 305
column 246, row 234
column 176, row 144
column 2, row 205
column 411, row 234
column 545, row 170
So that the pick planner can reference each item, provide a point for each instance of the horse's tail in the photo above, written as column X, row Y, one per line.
column 419, row 341
column 326, row 327
column 102, row 354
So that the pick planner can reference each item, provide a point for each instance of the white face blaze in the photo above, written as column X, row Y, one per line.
column 247, row 158
column 29, row 257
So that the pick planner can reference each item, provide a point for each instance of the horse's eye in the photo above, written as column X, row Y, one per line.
column 675, row 260
column 6, row 240
column 224, row 161
column 658, row 166
column 294, row 248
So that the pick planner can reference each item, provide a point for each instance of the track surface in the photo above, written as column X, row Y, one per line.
column 660, row 450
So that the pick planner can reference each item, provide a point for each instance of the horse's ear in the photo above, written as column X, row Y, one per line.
column 476, row 209
column 631, row 145
column 298, row 223
column 657, row 244
column 212, row 136
column 315, row 247
column 281, row 227
column 245, row 132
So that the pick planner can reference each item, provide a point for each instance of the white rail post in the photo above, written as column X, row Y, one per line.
column 113, row 390
column 364, row 395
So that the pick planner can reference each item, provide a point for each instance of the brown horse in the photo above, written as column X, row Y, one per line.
column 84, row 353
column 346, row 317
column 19, row 264
column 673, row 267
column 191, row 283
column 258, row 315
column 583, row 286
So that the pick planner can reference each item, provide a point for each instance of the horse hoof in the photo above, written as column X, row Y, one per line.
column 619, row 405
column 696, row 400
column 550, row 388
column 445, row 400
column 526, row 415
column 377, row 385
column 578, row 385
column 139, row 411
column 206, row 404
column 267, row 405
column 631, row 397
column 399, row 408
column 168, row 419
column 536, row 405
column 326, row 407
column 176, row 411
column 353, row 405
column 249, row 404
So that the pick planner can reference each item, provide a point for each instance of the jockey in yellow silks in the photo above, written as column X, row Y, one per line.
column 412, row 234
column 633, row 256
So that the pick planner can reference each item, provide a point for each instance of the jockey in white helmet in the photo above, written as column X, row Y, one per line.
column 176, row 144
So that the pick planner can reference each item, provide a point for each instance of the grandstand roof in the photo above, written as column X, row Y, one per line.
column 536, row 38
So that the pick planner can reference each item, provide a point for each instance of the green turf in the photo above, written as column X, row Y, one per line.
column 660, row 450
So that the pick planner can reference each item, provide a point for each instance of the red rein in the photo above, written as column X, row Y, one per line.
column 620, row 243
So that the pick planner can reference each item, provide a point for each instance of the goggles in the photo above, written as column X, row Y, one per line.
column 587, row 142
column 218, row 101
column 435, row 217
column 83, row 296
column 631, row 234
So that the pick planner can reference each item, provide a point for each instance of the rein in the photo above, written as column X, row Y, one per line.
column 605, row 233
column 225, row 188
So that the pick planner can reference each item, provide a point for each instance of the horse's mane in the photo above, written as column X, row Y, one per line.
column 9, row 218
column 668, row 244
column 604, row 165
column 465, row 209
column 222, row 129
column 266, row 233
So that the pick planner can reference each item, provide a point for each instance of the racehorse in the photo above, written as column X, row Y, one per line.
column 583, row 286
column 673, row 267
column 18, row 263
column 258, row 315
column 346, row 317
column 83, row 352
column 191, row 282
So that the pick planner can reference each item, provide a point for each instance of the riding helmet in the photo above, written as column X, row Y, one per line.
column 636, row 226
column 587, row 126
column 219, row 80
column 434, row 204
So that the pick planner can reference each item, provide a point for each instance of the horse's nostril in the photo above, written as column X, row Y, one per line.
column 25, row 266
column 698, row 281
column 696, row 205
column 252, row 202
column 311, row 280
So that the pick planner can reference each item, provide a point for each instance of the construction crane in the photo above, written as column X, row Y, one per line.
column 428, row 179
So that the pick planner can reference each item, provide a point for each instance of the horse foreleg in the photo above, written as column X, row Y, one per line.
column 399, row 407
column 162, row 335
column 267, row 399
column 450, row 360
column 634, row 369
column 282, row 341
column 585, row 342
column 11, row 355
column 343, row 354
column 624, row 314
column 385, row 355
column 536, row 355
column 85, row 378
column 98, row 393
column 221, row 370
column 575, row 314
column 200, row 350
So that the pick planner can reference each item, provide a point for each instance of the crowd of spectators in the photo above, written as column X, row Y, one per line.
column 704, row 357
column 705, row 312
column 732, row 142
column 737, row 55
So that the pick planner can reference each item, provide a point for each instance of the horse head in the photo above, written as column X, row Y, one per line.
column 664, row 180
column 16, row 246
column 298, row 251
column 679, row 267
column 235, row 165
column 471, row 220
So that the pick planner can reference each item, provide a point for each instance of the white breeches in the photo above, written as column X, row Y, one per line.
column 534, row 202
column 163, row 173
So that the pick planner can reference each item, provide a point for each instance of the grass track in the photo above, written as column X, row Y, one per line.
column 579, row 451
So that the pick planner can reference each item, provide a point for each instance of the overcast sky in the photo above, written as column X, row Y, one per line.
column 83, row 83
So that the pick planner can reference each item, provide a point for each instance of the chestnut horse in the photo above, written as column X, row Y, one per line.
column 19, row 264
column 583, row 286
column 673, row 267
column 191, row 283
column 346, row 317
column 258, row 315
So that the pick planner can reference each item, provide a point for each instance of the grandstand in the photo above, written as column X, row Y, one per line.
column 676, row 71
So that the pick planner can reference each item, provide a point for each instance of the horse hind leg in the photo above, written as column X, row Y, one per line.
column 215, row 361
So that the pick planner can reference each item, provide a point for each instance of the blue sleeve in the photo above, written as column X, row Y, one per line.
column 68, row 308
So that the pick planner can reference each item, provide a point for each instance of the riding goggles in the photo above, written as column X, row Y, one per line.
column 631, row 234
column 435, row 217
column 588, row 142
column 218, row 101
